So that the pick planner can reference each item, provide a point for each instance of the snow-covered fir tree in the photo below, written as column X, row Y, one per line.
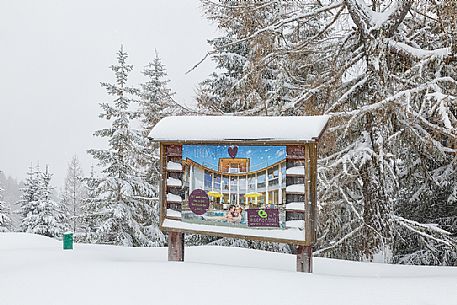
column 5, row 220
column 74, row 192
column 156, row 102
column 156, row 97
column 29, row 196
column 40, row 213
column 120, row 204
column 11, row 195
column 244, row 83
column 89, row 207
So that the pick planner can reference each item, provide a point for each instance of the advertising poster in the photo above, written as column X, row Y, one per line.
column 241, row 186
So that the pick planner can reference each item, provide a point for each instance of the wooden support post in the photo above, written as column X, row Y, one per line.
column 305, row 253
column 313, row 193
column 307, row 227
column 305, row 259
column 175, row 246
column 163, row 185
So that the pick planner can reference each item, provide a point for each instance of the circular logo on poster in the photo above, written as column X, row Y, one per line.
column 198, row 202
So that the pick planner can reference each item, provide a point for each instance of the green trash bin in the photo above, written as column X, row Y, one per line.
column 68, row 240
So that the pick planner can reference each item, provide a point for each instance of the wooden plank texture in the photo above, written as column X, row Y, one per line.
column 228, row 235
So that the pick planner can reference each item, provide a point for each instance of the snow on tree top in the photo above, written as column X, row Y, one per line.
column 237, row 128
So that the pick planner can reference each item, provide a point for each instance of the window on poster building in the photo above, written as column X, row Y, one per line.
column 208, row 180
column 261, row 182
column 217, row 182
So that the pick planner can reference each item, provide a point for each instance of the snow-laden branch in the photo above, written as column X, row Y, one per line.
column 351, row 205
column 368, row 20
column 295, row 17
column 254, row 6
column 415, row 128
column 348, row 93
column 335, row 18
column 416, row 53
column 423, row 229
column 146, row 198
column 274, row 27
column 338, row 153
column 360, row 14
column 395, row 16
column 393, row 98
column 344, row 238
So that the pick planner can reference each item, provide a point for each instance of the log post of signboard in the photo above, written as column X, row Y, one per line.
column 223, row 187
column 175, row 246
column 308, row 155
column 175, row 241
column 305, row 259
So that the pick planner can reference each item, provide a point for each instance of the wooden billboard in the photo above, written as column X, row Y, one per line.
column 240, row 177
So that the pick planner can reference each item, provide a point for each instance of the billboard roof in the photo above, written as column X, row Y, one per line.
column 239, row 128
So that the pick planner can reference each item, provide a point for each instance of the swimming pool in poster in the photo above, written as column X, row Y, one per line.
column 242, row 186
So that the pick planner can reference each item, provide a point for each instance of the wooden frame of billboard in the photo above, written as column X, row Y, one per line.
column 303, row 248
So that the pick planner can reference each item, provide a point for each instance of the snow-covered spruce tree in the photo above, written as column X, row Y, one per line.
column 156, row 102
column 156, row 97
column 40, row 213
column 220, row 93
column 73, row 193
column 5, row 220
column 11, row 195
column 89, row 207
column 122, row 216
column 251, row 77
column 29, row 197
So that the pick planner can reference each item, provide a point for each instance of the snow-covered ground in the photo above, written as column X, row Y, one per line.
column 34, row 270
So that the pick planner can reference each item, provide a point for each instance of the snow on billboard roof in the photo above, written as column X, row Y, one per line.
column 239, row 128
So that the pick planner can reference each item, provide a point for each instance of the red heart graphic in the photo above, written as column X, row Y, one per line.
column 232, row 151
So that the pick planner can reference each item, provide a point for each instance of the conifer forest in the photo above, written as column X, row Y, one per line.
column 384, row 71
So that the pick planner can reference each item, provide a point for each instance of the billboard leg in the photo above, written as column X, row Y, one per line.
column 305, row 259
column 176, row 246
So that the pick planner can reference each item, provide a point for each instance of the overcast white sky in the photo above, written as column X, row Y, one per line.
column 55, row 53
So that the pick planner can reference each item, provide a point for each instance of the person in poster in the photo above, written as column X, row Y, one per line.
column 234, row 214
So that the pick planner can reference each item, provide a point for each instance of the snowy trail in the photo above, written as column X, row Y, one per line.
column 35, row 270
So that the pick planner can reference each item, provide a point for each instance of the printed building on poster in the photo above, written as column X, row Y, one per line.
column 234, row 184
